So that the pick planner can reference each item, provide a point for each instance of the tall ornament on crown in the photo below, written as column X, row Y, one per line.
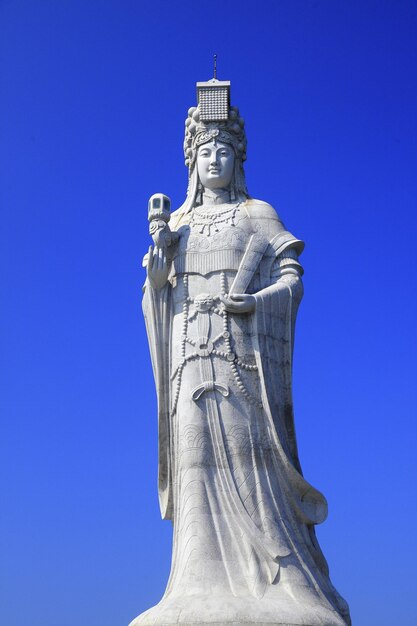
column 220, row 301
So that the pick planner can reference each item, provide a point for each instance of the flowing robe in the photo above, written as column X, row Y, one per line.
column 244, row 548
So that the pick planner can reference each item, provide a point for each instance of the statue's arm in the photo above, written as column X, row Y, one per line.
column 286, row 272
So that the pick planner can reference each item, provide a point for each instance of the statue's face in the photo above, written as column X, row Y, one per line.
column 215, row 164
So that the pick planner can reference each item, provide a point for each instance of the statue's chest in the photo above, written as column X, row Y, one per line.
column 212, row 241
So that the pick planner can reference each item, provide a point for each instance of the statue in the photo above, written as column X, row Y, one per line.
column 220, row 301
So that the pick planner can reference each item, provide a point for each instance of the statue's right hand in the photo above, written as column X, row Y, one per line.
column 157, row 268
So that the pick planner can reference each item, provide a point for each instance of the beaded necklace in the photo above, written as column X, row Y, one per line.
column 207, row 220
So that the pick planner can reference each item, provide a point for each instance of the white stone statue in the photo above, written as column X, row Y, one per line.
column 220, row 301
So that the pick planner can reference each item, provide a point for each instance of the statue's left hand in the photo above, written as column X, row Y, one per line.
column 239, row 303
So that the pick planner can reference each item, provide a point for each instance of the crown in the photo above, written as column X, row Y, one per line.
column 213, row 118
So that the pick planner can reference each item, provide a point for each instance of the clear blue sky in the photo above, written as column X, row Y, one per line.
column 93, row 100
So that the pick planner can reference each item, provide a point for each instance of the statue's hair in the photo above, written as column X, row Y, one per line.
column 198, row 133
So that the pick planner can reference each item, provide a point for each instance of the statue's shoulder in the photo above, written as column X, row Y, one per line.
column 260, row 209
column 179, row 218
column 265, row 218
column 265, row 215
column 176, row 213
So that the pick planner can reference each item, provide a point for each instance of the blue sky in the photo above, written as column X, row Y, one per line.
column 93, row 101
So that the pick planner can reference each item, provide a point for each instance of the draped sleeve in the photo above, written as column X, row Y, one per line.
column 274, row 323
column 156, row 306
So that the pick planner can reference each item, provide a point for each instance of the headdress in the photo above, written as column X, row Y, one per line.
column 213, row 119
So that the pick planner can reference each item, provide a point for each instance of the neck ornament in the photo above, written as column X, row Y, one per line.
column 210, row 219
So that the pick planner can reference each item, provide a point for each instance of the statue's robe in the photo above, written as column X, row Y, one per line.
column 278, row 291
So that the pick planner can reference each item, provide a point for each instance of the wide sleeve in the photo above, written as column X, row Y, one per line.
column 274, row 323
column 156, row 306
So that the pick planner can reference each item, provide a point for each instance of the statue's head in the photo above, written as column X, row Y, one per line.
column 214, row 145
column 207, row 142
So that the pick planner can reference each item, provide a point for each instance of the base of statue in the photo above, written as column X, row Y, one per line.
column 196, row 610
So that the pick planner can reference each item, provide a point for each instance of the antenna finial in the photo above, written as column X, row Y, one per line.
column 215, row 66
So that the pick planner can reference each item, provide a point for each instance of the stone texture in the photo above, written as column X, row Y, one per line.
column 220, row 302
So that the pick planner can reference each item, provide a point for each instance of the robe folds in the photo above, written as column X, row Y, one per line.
column 229, row 473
